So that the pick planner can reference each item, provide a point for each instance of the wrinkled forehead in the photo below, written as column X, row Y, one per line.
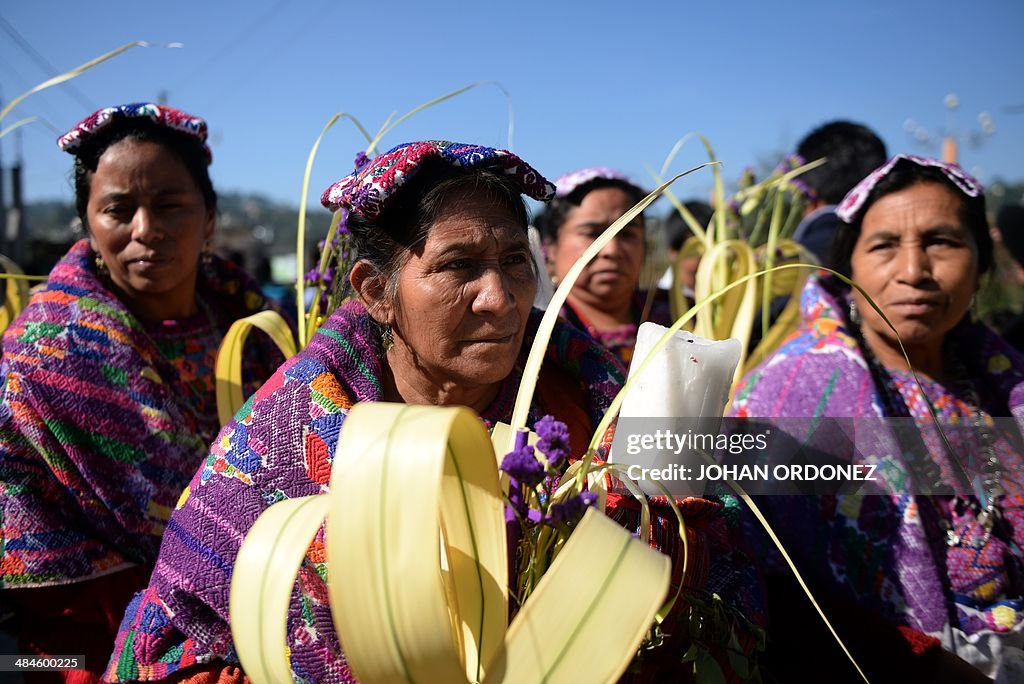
column 474, row 225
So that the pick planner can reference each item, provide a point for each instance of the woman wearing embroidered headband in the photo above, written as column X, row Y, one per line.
column 605, row 300
column 445, row 282
column 108, row 398
column 942, row 570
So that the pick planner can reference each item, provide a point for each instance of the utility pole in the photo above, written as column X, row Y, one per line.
column 4, row 248
column 949, row 150
column 949, row 146
column 15, row 233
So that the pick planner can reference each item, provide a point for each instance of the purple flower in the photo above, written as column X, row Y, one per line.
column 522, row 465
column 572, row 509
column 789, row 163
column 342, row 226
column 313, row 277
column 552, row 439
column 361, row 161
column 803, row 189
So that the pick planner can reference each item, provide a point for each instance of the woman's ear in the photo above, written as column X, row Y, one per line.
column 371, row 287
column 211, row 222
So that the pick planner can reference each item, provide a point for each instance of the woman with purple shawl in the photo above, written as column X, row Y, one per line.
column 445, row 282
column 108, row 388
column 924, row 581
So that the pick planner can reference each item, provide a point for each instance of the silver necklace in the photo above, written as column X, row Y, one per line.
column 987, row 485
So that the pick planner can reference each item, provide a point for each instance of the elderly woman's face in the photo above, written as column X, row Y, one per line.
column 148, row 220
column 611, row 278
column 464, row 297
column 918, row 262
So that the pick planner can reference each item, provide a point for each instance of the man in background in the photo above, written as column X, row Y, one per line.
column 852, row 152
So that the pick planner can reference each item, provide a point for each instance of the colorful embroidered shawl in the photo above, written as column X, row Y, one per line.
column 881, row 550
column 99, row 430
column 280, row 446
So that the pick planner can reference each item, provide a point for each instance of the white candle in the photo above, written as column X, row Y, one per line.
column 688, row 379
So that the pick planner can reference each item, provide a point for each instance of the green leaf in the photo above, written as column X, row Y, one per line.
column 737, row 658
column 691, row 653
column 708, row 670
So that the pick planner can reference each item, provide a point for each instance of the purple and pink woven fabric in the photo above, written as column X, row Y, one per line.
column 849, row 209
column 104, row 420
column 368, row 189
column 162, row 115
column 887, row 552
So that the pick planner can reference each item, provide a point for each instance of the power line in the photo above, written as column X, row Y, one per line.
column 242, row 79
column 45, row 65
column 23, row 84
column 229, row 45
column 46, row 122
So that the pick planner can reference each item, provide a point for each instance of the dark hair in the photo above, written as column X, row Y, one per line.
column 186, row 147
column 904, row 175
column 1010, row 222
column 554, row 215
column 385, row 242
column 676, row 228
column 853, row 151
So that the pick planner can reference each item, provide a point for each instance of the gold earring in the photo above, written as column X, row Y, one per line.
column 387, row 339
column 101, row 266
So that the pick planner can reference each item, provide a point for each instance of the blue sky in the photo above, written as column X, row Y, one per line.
column 610, row 83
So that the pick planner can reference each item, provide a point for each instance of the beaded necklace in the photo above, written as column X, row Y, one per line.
column 985, row 485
